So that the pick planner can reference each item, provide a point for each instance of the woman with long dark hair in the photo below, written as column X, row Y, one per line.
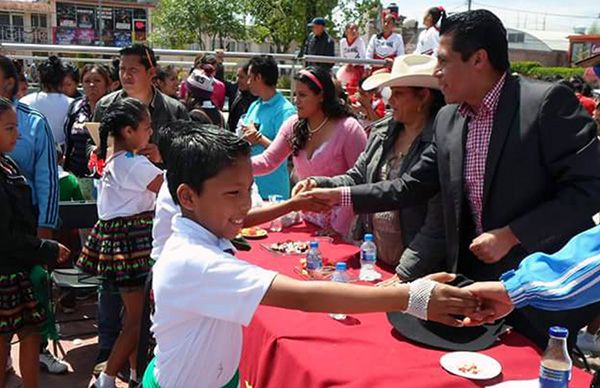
column 324, row 138
column 410, row 238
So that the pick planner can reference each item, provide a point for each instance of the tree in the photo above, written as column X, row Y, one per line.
column 356, row 11
column 178, row 23
column 594, row 28
column 283, row 22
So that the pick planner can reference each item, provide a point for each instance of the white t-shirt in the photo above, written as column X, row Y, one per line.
column 381, row 48
column 166, row 209
column 55, row 107
column 354, row 51
column 202, row 296
column 123, row 188
column 428, row 43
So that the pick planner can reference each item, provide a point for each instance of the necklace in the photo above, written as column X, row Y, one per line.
column 312, row 131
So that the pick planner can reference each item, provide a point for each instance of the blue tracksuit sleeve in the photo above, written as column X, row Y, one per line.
column 45, row 175
column 568, row 279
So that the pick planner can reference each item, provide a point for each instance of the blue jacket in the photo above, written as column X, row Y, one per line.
column 35, row 153
column 568, row 279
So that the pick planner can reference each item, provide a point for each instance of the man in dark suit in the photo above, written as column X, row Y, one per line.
column 517, row 163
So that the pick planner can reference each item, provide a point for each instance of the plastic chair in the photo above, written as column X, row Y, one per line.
column 73, row 215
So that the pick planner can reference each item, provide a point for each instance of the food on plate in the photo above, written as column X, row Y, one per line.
column 289, row 247
column 253, row 232
column 469, row 368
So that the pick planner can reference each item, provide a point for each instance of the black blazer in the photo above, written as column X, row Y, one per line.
column 542, row 173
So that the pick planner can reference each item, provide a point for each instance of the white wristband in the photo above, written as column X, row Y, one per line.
column 418, row 300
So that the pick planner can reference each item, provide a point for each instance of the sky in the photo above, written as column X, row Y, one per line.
column 558, row 15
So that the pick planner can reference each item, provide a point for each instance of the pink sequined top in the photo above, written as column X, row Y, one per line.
column 334, row 157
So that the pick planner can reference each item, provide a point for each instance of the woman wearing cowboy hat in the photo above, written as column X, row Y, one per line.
column 411, row 238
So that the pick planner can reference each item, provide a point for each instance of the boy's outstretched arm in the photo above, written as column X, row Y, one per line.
column 445, row 303
column 269, row 212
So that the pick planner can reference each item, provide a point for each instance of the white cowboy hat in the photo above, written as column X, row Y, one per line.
column 411, row 70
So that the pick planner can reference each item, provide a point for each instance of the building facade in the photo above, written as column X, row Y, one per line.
column 83, row 22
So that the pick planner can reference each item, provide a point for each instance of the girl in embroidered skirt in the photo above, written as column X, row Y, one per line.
column 20, row 250
column 118, row 248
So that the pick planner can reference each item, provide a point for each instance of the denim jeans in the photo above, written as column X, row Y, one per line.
column 109, row 316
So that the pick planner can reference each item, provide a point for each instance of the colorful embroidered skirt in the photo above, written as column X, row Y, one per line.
column 18, row 306
column 118, row 250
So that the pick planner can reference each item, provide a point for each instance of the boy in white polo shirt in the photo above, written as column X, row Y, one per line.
column 203, row 294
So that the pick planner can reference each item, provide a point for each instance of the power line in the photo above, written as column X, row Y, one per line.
column 537, row 12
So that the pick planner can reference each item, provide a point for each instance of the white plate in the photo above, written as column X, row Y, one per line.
column 488, row 367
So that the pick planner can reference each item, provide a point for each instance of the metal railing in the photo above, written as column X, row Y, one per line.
column 35, row 35
column 293, row 62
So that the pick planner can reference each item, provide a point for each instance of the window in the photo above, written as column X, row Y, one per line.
column 39, row 20
column 516, row 37
column 11, row 27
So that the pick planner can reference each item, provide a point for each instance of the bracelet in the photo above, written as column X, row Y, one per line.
column 418, row 300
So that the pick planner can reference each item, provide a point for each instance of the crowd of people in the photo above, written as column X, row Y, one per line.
column 466, row 168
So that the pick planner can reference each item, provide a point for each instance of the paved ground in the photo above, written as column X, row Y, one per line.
column 80, row 353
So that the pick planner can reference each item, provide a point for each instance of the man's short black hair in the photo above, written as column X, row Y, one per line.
column 146, row 54
column 266, row 66
column 478, row 29
column 200, row 155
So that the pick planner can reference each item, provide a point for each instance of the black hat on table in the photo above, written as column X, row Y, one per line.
column 440, row 336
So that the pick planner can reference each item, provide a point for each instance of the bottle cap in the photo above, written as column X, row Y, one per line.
column 559, row 332
column 314, row 244
column 341, row 266
column 368, row 237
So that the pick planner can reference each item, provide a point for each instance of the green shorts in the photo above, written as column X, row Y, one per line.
column 149, row 380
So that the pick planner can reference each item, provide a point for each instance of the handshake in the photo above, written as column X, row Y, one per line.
column 309, row 197
column 474, row 305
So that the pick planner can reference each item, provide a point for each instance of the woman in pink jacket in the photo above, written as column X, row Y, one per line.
column 324, row 139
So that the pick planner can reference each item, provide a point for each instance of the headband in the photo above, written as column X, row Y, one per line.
column 312, row 77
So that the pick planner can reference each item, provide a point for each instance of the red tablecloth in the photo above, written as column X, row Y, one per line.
column 285, row 348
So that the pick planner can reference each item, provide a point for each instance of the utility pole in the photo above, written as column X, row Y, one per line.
column 469, row 4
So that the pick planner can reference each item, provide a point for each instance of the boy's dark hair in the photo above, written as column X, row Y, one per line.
column 9, row 71
column 169, row 132
column 478, row 29
column 5, row 104
column 52, row 73
column 73, row 72
column 120, row 114
column 266, row 67
column 145, row 53
column 200, row 155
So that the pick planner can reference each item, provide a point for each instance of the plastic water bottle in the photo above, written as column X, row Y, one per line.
column 314, row 261
column 276, row 224
column 368, row 257
column 339, row 276
column 555, row 370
